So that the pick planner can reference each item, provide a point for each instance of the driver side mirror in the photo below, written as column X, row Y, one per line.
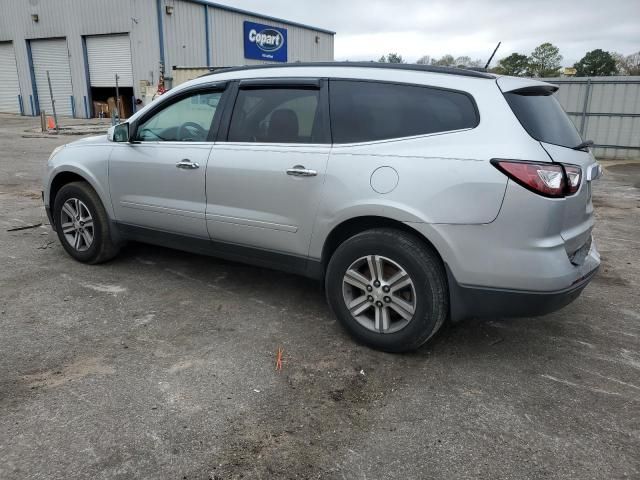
column 119, row 133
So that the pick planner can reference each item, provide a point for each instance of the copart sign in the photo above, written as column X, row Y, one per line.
column 262, row 42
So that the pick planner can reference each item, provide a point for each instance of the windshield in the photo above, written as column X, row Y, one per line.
column 543, row 118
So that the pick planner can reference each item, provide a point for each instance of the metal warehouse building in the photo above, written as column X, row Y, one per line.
column 83, row 44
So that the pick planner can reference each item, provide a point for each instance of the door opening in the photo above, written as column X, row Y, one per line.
column 104, row 102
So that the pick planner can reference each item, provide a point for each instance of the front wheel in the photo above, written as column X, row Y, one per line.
column 82, row 224
column 387, row 289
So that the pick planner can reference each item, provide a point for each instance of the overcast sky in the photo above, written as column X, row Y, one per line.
column 367, row 29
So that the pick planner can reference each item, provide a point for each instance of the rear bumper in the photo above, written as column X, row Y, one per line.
column 483, row 302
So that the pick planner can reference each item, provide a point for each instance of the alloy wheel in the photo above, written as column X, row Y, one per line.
column 77, row 224
column 379, row 294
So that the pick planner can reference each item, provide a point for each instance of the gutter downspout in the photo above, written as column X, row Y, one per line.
column 160, row 30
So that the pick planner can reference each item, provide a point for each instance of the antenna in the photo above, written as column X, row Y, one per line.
column 492, row 55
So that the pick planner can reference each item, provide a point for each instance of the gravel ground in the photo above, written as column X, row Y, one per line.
column 160, row 364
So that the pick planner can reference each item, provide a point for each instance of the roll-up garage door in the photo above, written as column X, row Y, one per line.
column 9, row 86
column 52, row 55
column 109, row 55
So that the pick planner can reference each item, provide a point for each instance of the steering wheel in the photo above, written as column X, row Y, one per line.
column 191, row 131
column 144, row 133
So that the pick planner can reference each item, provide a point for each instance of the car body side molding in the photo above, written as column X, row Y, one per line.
column 304, row 266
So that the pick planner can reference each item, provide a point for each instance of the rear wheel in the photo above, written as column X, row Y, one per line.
column 388, row 289
column 82, row 224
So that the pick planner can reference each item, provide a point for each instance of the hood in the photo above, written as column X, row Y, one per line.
column 95, row 139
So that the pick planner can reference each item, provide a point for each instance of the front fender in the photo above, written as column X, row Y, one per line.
column 89, row 163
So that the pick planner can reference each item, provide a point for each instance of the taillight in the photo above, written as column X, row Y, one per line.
column 548, row 179
column 574, row 177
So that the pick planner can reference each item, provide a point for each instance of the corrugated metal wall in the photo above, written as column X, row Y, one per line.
column 73, row 19
column 605, row 110
column 183, row 31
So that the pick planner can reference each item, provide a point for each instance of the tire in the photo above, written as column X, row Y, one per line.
column 80, row 196
column 424, row 300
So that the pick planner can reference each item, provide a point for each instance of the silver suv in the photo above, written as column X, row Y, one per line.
column 415, row 193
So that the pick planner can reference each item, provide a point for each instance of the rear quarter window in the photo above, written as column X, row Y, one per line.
column 363, row 111
column 543, row 118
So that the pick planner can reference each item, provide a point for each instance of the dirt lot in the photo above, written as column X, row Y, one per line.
column 160, row 364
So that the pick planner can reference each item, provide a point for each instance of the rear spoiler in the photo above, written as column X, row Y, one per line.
column 525, row 86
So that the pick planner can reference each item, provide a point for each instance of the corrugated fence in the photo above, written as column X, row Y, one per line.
column 605, row 110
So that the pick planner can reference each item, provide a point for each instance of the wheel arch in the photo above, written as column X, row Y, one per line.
column 68, row 175
column 355, row 225
column 59, row 181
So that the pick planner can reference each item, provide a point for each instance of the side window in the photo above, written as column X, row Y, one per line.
column 187, row 120
column 368, row 111
column 276, row 115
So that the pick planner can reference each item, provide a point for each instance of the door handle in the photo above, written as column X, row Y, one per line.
column 300, row 171
column 187, row 164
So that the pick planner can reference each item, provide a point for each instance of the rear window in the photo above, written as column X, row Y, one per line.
column 543, row 118
column 368, row 111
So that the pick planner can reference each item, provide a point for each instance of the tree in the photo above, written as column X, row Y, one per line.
column 545, row 61
column 515, row 64
column 444, row 61
column 620, row 60
column 391, row 58
column 424, row 60
column 466, row 61
column 632, row 64
column 450, row 61
column 629, row 65
column 596, row 63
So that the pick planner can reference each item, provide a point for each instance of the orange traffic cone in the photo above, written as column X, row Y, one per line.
column 50, row 124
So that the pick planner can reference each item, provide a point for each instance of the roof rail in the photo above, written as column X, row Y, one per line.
column 394, row 66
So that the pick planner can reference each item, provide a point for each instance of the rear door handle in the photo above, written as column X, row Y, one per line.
column 187, row 164
column 300, row 171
